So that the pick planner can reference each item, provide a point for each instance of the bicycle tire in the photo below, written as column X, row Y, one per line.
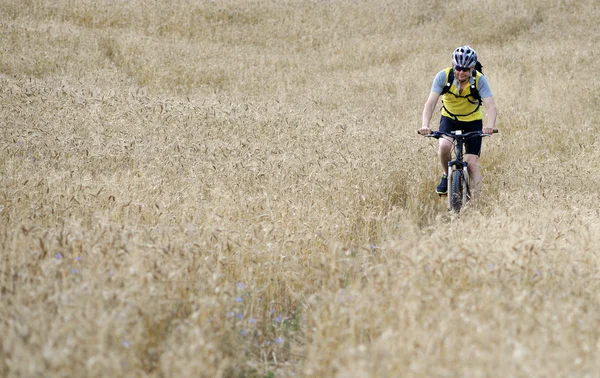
column 456, row 191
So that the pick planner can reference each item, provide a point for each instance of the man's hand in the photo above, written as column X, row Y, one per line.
column 488, row 130
column 424, row 130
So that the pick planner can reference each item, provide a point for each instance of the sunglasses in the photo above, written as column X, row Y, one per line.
column 458, row 68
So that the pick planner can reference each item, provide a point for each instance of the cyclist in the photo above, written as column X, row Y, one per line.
column 461, row 110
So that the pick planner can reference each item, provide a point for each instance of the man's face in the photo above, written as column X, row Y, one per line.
column 462, row 74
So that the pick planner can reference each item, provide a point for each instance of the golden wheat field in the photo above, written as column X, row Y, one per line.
column 236, row 188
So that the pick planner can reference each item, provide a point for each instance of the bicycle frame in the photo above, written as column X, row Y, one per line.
column 458, row 164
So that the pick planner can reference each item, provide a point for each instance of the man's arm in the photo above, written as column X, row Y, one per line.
column 428, row 111
column 490, row 109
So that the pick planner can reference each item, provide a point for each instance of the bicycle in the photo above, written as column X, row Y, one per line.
column 458, row 174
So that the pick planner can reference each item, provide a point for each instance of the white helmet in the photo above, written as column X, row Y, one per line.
column 464, row 56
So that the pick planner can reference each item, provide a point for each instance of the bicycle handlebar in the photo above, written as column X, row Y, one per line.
column 471, row 134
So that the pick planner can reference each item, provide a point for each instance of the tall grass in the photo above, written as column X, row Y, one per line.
column 228, row 189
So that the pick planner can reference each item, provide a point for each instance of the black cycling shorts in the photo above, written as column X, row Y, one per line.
column 473, row 145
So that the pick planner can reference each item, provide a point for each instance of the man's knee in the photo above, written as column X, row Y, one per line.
column 445, row 149
column 474, row 164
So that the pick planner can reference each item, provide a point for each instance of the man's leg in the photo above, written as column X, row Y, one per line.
column 473, row 149
column 445, row 153
column 474, row 174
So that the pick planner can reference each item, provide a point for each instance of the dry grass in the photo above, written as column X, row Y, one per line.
column 236, row 189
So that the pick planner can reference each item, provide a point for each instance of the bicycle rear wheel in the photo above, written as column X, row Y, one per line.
column 456, row 191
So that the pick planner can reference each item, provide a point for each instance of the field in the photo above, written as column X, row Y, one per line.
column 236, row 189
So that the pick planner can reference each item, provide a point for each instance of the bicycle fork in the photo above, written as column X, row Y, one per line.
column 454, row 166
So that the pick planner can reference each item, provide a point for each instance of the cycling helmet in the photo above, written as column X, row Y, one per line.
column 464, row 56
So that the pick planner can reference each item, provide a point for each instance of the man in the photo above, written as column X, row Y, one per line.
column 461, row 110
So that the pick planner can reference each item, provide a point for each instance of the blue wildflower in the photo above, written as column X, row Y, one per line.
column 279, row 340
column 238, row 299
column 58, row 256
column 230, row 314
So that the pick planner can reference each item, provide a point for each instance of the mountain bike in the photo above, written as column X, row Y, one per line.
column 458, row 174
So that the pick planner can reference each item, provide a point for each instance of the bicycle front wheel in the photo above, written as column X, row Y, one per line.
column 456, row 191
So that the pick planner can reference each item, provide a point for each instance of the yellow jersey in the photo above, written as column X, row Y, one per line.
column 462, row 105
